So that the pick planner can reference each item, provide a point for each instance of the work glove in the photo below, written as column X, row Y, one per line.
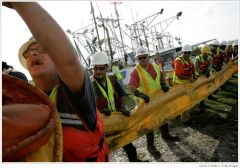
column 218, row 68
column 142, row 95
column 165, row 87
column 194, row 77
column 106, row 111
column 125, row 112
column 207, row 73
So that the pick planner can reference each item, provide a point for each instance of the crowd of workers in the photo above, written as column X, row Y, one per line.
column 55, row 68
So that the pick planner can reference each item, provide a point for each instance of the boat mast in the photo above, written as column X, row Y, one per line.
column 120, row 31
column 139, row 28
column 109, row 42
column 95, row 23
column 163, row 25
column 108, row 37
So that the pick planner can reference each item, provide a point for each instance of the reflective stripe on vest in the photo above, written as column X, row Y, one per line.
column 66, row 118
column 110, row 95
column 117, row 72
column 147, row 83
column 176, row 79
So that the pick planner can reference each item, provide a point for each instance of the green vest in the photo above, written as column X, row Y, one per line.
column 147, row 83
column 109, row 95
column 117, row 72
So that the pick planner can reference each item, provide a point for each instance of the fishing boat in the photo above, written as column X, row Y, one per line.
column 107, row 35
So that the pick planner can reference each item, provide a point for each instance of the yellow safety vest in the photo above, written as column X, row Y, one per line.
column 176, row 79
column 117, row 72
column 148, row 85
column 109, row 95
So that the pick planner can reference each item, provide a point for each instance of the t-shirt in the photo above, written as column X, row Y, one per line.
column 82, row 104
column 18, row 75
column 134, row 79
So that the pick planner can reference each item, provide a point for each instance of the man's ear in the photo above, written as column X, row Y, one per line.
column 107, row 67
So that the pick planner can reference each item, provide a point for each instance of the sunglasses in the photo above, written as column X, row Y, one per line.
column 99, row 68
column 187, row 53
column 39, row 49
column 142, row 58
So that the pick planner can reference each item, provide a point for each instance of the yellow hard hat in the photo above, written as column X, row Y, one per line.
column 205, row 49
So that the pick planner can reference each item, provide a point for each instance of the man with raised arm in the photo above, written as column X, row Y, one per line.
column 56, row 69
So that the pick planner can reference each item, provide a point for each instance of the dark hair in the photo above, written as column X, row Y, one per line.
column 13, row 73
column 5, row 65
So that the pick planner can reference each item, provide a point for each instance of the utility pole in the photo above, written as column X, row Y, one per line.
column 95, row 23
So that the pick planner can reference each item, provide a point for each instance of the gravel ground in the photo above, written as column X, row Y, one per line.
column 212, row 136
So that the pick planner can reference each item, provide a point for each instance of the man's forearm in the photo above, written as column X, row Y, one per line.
column 45, row 29
column 51, row 36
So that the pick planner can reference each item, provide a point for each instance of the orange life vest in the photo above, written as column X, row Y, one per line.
column 188, row 66
column 86, row 146
column 204, row 64
column 83, row 145
column 215, row 60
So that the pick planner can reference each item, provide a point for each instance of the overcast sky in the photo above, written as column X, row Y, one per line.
column 200, row 21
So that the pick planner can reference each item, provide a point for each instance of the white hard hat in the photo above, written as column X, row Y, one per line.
column 187, row 48
column 235, row 43
column 100, row 58
column 215, row 42
column 141, row 51
column 23, row 49
column 224, row 43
